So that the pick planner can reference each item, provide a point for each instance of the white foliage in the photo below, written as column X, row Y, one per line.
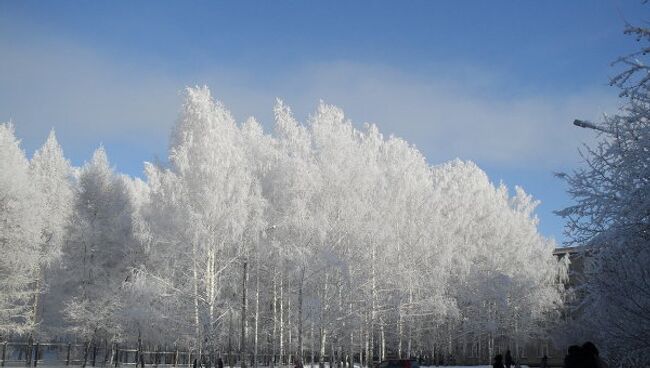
column 609, row 219
column 20, row 230
column 345, row 231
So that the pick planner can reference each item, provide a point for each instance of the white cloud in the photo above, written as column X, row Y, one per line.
column 451, row 112
column 449, row 117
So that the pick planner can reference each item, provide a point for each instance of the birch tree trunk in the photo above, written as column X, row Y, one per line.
column 197, row 326
column 433, row 351
column 322, row 329
column 383, row 339
column 311, row 361
column 341, row 334
column 242, row 342
column 208, row 285
column 300, row 322
column 410, row 329
column 230, row 362
column 400, row 331
column 367, row 338
column 289, row 327
column 257, row 310
column 275, row 319
column 371, row 328
column 322, row 342
column 211, row 287
column 37, row 300
column 281, row 317
column 363, row 341
column 351, row 342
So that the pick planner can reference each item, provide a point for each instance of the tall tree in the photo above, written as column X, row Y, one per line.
column 98, row 251
column 213, row 201
column 20, row 236
column 52, row 176
column 610, row 217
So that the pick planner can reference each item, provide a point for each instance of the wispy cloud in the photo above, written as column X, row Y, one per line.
column 89, row 98
column 452, row 116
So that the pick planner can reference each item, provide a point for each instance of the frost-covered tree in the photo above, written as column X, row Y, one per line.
column 51, row 174
column 504, row 281
column 610, row 217
column 20, row 236
column 319, row 237
column 203, row 211
column 98, row 255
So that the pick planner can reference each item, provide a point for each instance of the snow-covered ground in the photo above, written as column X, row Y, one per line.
column 53, row 364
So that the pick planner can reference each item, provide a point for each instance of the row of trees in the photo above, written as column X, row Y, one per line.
column 319, row 239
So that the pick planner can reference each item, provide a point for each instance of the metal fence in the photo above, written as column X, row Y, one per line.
column 57, row 354
column 21, row 354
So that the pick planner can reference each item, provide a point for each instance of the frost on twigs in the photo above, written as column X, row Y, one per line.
column 610, row 219
column 318, row 226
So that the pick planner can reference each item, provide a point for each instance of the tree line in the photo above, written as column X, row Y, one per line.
column 317, row 239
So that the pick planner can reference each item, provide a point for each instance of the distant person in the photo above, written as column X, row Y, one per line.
column 509, row 362
column 498, row 361
column 298, row 363
column 575, row 357
column 219, row 363
column 592, row 357
column 544, row 362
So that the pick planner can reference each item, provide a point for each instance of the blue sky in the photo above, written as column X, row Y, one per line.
column 495, row 82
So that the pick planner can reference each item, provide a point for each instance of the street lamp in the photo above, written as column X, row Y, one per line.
column 590, row 125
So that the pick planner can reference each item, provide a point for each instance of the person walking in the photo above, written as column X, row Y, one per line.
column 498, row 361
column 544, row 362
column 509, row 362
column 592, row 357
column 574, row 357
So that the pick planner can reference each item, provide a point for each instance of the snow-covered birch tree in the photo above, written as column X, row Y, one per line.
column 203, row 210
column 20, row 236
column 610, row 217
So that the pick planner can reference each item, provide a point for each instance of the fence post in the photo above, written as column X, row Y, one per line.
column 94, row 354
column 67, row 359
column 106, row 352
column 86, row 348
column 4, row 354
column 36, row 355
column 138, row 356
column 28, row 353
column 117, row 355
column 175, row 356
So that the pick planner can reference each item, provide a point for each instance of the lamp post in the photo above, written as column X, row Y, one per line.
column 588, row 124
